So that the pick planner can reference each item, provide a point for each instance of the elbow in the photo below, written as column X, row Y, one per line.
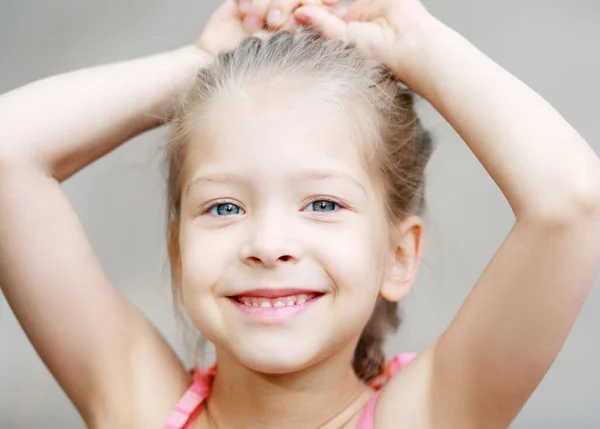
column 12, row 160
column 20, row 157
column 574, row 203
column 584, row 200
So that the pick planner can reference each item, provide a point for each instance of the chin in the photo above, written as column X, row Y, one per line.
column 273, row 357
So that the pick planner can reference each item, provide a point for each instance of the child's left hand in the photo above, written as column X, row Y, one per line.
column 386, row 30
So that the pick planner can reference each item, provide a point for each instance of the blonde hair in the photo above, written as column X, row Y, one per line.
column 397, row 147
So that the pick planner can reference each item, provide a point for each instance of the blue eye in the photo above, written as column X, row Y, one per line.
column 323, row 206
column 226, row 209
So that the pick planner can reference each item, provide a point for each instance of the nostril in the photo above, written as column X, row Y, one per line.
column 267, row 261
column 253, row 260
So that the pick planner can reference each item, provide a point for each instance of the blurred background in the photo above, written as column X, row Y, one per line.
column 552, row 45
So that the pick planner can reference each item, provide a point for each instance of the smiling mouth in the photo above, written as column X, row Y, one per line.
column 272, row 305
column 278, row 302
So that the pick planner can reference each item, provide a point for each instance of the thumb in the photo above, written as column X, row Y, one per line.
column 322, row 20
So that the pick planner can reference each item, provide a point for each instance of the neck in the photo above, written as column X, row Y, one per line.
column 325, row 394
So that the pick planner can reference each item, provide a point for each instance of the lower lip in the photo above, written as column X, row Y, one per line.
column 274, row 314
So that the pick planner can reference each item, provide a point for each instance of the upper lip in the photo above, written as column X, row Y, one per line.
column 275, row 293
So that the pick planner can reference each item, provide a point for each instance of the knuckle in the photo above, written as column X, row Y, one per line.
column 258, row 7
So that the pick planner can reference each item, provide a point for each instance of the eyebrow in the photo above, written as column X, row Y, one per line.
column 312, row 175
column 330, row 174
column 214, row 178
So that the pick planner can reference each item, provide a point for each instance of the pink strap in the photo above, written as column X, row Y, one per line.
column 187, row 409
column 367, row 417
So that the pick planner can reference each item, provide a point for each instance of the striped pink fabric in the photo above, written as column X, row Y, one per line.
column 367, row 417
column 188, row 408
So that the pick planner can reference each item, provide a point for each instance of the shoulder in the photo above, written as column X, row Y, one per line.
column 394, row 366
column 154, row 383
column 412, row 398
column 405, row 392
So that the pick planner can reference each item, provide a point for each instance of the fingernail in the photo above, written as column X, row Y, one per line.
column 301, row 17
column 252, row 23
column 244, row 6
column 273, row 17
column 289, row 26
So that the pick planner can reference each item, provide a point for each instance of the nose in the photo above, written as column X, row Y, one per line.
column 270, row 244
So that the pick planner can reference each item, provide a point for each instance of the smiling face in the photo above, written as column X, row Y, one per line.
column 277, row 209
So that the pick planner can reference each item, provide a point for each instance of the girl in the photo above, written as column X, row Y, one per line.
column 295, row 182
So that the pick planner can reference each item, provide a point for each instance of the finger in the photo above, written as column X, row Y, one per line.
column 356, row 33
column 262, row 34
column 259, row 8
column 281, row 10
column 290, row 26
column 339, row 10
column 363, row 36
column 323, row 21
column 253, row 24
column 243, row 6
column 255, row 18
column 354, row 12
column 365, row 10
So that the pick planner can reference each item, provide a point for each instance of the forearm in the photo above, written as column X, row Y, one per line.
column 65, row 122
column 537, row 159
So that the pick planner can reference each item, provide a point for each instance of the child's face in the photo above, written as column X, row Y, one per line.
column 276, row 197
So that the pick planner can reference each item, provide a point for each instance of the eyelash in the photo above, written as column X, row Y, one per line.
column 338, row 203
column 206, row 208
column 209, row 206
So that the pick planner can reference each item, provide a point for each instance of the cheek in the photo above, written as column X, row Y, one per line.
column 356, row 261
column 357, row 269
column 205, row 255
column 205, row 252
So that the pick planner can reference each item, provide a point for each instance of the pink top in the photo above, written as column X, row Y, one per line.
column 188, row 408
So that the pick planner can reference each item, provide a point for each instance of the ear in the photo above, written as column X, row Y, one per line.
column 406, row 252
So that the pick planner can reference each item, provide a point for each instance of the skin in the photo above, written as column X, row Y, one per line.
column 480, row 371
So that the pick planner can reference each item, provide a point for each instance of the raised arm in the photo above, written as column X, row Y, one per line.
column 109, row 360
column 88, row 335
column 515, row 321
column 60, row 124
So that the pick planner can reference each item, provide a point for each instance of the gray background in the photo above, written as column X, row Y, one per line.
column 552, row 45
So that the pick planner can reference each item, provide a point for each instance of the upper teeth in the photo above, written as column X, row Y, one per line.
column 288, row 301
